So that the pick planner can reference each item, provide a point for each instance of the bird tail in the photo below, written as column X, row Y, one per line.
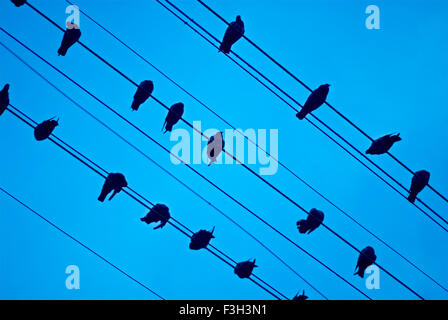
column 224, row 47
column 301, row 114
column 102, row 196
column 412, row 197
column 360, row 273
column 62, row 51
column 134, row 105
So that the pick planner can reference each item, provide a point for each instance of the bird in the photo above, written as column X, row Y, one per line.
column 383, row 144
column 43, row 130
column 244, row 269
column 4, row 98
column 418, row 183
column 71, row 36
column 158, row 213
column 314, row 101
column 201, row 239
column 314, row 220
column 214, row 147
column 366, row 258
column 301, row 297
column 142, row 94
column 18, row 3
column 233, row 33
column 115, row 182
column 174, row 115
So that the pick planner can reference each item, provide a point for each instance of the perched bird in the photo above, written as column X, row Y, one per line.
column 142, row 94
column 314, row 220
column 301, row 297
column 4, row 98
column 314, row 101
column 244, row 269
column 234, row 32
column 383, row 144
column 158, row 213
column 201, row 239
column 18, row 3
column 43, row 130
column 366, row 258
column 174, row 114
column 71, row 36
column 418, row 183
column 214, row 146
column 115, row 182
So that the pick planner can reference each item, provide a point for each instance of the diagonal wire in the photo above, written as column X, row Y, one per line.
column 81, row 244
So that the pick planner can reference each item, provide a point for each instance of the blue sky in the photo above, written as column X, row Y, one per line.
column 388, row 80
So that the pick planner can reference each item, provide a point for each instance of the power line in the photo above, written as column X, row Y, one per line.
column 194, row 170
column 144, row 59
column 309, row 89
column 78, row 155
column 308, row 120
column 246, row 167
column 81, row 244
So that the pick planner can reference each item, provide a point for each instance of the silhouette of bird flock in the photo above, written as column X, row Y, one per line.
column 159, row 213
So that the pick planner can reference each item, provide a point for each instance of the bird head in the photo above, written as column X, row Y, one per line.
column 6, row 87
column 238, row 18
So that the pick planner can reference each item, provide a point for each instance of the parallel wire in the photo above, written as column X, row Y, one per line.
column 81, row 244
column 249, row 139
column 308, row 120
column 202, row 176
column 309, row 89
column 78, row 155
column 280, row 192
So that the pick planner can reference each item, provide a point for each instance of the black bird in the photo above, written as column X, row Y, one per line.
column 418, row 183
column 18, row 3
column 314, row 101
column 314, row 220
column 158, row 213
column 366, row 258
column 201, row 239
column 234, row 32
column 115, row 182
column 4, row 98
column 244, row 269
column 142, row 94
column 383, row 144
column 174, row 114
column 301, row 297
column 43, row 130
column 214, row 146
column 71, row 36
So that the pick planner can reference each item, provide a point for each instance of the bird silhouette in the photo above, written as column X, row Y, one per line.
column 18, row 3
column 314, row 101
column 244, row 269
column 201, row 239
column 174, row 115
column 114, row 182
column 366, row 258
column 142, row 94
column 313, row 220
column 418, row 183
column 301, row 297
column 158, row 213
column 71, row 36
column 214, row 147
column 43, row 130
column 4, row 98
column 383, row 144
column 233, row 33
